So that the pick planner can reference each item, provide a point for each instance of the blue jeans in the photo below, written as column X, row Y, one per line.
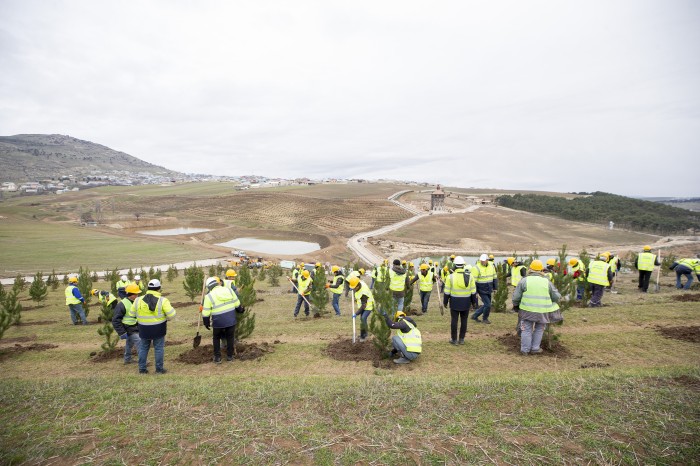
column 399, row 346
column 158, row 348
column 688, row 275
column 132, row 341
column 363, row 323
column 530, row 340
column 424, row 300
column 336, row 303
column 75, row 311
column 596, row 295
column 485, row 308
column 300, row 299
column 371, row 285
column 399, row 303
column 580, row 289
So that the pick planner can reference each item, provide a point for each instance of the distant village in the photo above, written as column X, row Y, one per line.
column 70, row 183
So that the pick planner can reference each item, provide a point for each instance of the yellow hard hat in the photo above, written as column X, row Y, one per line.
column 430, row 262
column 403, row 262
column 452, row 256
column 490, row 256
column 647, row 248
column 510, row 260
column 353, row 281
column 573, row 261
column 94, row 291
column 386, row 261
column 318, row 264
column 551, row 262
column 536, row 265
column 231, row 273
column 73, row 280
column 335, row 268
column 399, row 314
column 301, row 264
column 305, row 274
column 446, row 268
column 424, row 267
column 132, row 289
column 362, row 271
column 602, row 256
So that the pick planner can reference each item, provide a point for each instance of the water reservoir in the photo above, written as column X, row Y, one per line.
column 267, row 246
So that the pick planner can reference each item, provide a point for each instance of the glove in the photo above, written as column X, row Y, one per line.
column 328, row 285
column 516, row 308
column 201, row 308
column 206, row 326
column 123, row 336
column 354, row 315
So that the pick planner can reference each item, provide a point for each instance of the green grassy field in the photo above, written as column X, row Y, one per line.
column 625, row 394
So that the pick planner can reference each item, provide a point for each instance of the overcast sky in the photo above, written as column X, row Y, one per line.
column 548, row 95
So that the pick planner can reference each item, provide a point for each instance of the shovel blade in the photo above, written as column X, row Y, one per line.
column 197, row 340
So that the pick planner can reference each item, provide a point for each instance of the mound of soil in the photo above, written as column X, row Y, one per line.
column 244, row 352
column 19, row 339
column 114, row 353
column 512, row 342
column 37, row 322
column 687, row 297
column 175, row 342
column 180, row 305
column 691, row 334
column 343, row 349
column 590, row 365
column 19, row 349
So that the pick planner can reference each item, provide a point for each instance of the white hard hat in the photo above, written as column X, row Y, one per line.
column 459, row 260
column 124, row 278
column 484, row 257
column 212, row 281
column 137, row 277
column 155, row 283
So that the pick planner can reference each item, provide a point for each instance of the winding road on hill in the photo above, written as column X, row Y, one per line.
column 358, row 243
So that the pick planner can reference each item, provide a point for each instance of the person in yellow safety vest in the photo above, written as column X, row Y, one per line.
column 444, row 273
column 295, row 275
column 645, row 263
column 373, row 276
column 599, row 276
column 549, row 272
column 382, row 271
column 336, row 285
column 686, row 268
column 152, row 312
column 219, row 311
column 615, row 264
column 303, row 285
column 508, row 265
column 121, row 285
column 105, row 297
column 124, row 324
column 450, row 263
column 535, row 298
column 137, row 281
column 75, row 301
column 230, row 280
column 578, row 272
column 364, row 303
column 408, row 341
column 486, row 283
column 425, row 279
column 460, row 294
column 517, row 272
column 398, row 282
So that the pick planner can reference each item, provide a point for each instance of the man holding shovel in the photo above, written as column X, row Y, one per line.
column 364, row 301
column 219, row 311
column 303, row 286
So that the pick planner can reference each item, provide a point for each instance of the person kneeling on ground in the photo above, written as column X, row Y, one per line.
column 407, row 341
column 535, row 297
column 219, row 311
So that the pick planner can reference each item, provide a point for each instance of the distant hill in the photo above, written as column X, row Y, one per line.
column 31, row 157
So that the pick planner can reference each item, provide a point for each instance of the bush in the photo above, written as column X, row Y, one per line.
column 248, row 297
column 10, row 311
column 85, row 285
column 20, row 283
column 319, row 294
column 111, row 338
column 275, row 273
column 95, row 278
column 38, row 291
column 171, row 274
column 667, row 262
column 212, row 271
column 194, row 282
column 52, row 280
column 500, row 295
column 383, row 303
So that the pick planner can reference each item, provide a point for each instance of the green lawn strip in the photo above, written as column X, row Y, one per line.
column 652, row 416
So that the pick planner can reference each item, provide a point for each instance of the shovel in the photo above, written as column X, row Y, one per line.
column 198, row 338
column 437, row 287
column 657, row 287
column 354, row 331
column 307, row 301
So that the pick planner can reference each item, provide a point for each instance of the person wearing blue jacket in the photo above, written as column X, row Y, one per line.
column 75, row 301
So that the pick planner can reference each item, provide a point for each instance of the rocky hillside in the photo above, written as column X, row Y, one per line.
column 31, row 157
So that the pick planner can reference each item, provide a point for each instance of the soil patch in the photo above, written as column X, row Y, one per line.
column 512, row 342
column 590, row 365
column 691, row 334
column 19, row 349
column 687, row 297
column 31, row 308
column 36, row 322
column 244, row 352
column 111, row 355
column 343, row 349
column 19, row 339
column 182, row 304
column 175, row 342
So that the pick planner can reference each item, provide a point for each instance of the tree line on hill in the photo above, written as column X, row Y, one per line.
column 600, row 207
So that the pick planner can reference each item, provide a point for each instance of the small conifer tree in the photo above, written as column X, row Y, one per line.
column 10, row 310
column 107, row 331
column 319, row 294
column 172, row 273
column 384, row 304
column 194, row 281
column 85, row 285
column 500, row 295
column 52, row 280
column 38, row 290
column 20, row 283
column 247, row 295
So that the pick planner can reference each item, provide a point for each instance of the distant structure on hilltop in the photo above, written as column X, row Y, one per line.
column 437, row 199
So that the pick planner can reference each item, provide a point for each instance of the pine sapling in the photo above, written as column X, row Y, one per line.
column 107, row 331
column 319, row 294
column 248, row 297
column 20, row 283
column 85, row 285
column 500, row 295
column 38, row 290
column 194, row 281
column 172, row 273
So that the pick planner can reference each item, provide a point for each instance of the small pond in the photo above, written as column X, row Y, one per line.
column 268, row 246
column 174, row 231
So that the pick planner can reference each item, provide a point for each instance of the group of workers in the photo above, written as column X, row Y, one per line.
column 141, row 319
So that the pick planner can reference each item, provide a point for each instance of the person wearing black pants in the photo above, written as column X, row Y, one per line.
column 219, row 311
column 460, row 294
